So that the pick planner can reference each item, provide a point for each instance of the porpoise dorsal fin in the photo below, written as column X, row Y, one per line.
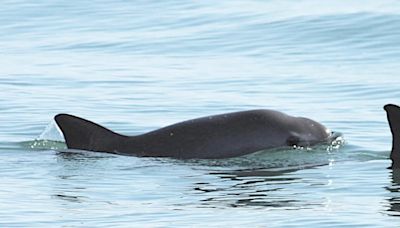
column 85, row 135
column 393, row 115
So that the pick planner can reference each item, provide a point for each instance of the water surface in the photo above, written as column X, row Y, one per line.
column 138, row 66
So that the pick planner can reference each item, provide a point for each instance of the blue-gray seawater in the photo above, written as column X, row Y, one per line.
column 135, row 66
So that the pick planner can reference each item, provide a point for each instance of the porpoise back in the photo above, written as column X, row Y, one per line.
column 212, row 137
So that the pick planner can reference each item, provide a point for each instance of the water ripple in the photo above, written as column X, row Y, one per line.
column 135, row 67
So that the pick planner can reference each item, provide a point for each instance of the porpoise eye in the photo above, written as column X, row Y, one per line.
column 292, row 141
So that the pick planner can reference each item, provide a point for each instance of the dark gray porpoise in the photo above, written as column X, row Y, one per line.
column 393, row 115
column 213, row 137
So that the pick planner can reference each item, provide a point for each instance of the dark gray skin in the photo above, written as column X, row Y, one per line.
column 213, row 137
column 393, row 115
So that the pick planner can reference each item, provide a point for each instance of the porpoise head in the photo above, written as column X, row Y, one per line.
column 306, row 132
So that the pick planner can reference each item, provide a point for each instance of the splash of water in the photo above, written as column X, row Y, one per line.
column 51, row 138
column 52, row 132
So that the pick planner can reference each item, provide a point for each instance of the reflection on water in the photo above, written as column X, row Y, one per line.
column 70, row 199
column 249, row 188
column 233, row 187
column 73, row 177
column 69, row 156
column 80, row 181
column 394, row 189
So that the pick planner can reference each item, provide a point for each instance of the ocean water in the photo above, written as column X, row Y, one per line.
column 135, row 66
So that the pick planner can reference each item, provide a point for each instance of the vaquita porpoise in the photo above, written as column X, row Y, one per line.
column 393, row 115
column 211, row 137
